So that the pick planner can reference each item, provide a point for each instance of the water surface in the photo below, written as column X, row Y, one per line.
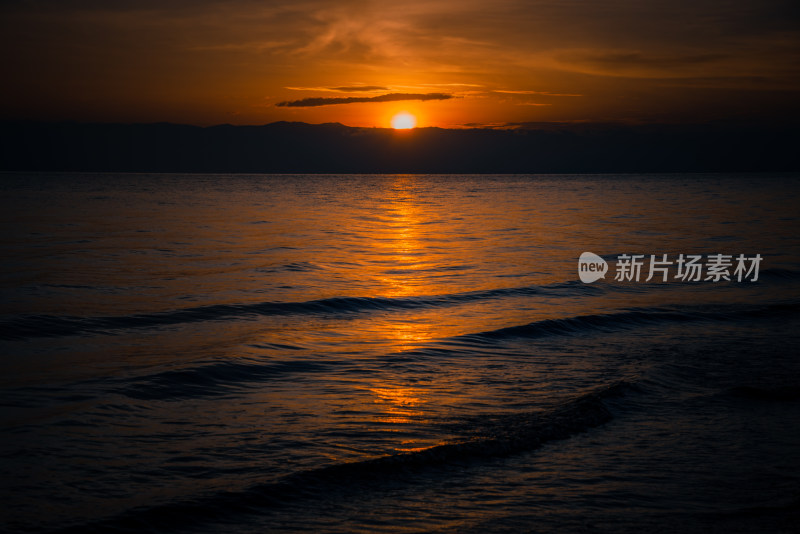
column 394, row 353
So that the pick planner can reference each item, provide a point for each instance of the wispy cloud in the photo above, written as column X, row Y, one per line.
column 541, row 93
column 343, row 89
column 452, row 85
column 391, row 97
column 192, row 60
column 644, row 65
column 357, row 88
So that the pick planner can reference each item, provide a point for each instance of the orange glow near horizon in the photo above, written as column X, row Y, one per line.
column 358, row 63
column 404, row 121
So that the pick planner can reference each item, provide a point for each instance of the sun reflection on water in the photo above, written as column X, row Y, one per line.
column 402, row 251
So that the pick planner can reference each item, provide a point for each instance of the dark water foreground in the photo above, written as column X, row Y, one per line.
column 395, row 353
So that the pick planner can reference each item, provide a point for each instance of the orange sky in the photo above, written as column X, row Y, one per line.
column 491, row 63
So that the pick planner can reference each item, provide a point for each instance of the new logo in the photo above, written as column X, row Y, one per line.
column 591, row 267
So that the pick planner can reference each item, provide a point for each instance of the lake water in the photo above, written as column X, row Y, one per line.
column 396, row 353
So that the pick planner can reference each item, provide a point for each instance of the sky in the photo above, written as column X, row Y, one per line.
column 452, row 64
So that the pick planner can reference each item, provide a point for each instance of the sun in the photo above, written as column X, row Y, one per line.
column 404, row 121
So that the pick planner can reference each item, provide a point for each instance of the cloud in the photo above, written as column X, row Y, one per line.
column 637, row 59
column 390, row 97
column 122, row 60
column 543, row 93
column 356, row 88
column 638, row 64
column 486, row 125
column 343, row 89
column 452, row 85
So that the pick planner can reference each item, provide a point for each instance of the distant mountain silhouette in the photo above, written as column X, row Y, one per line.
column 284, row 147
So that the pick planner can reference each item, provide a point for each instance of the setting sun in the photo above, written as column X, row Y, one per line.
column 404, row 121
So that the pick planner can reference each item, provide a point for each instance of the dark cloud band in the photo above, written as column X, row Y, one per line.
column 391, row 97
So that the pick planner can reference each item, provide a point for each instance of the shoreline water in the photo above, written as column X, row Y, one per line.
column 395, row 353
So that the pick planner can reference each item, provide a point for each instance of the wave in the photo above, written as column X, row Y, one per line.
column 632, row 318
column 211, row 379
column 37, row 326
column 527, row 432
column 42, row 326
